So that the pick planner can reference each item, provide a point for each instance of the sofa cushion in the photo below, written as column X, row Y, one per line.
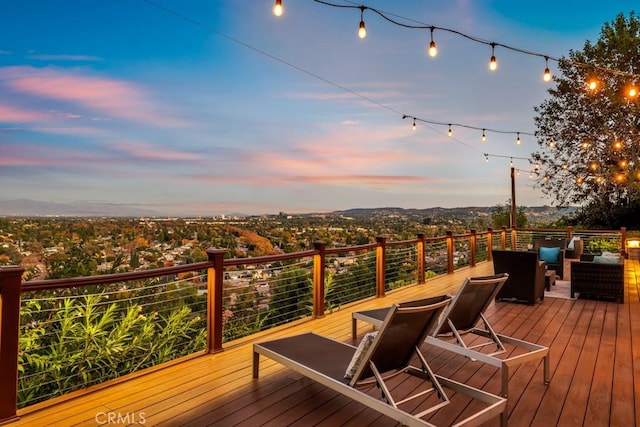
column 606, row 259
column 549, row 255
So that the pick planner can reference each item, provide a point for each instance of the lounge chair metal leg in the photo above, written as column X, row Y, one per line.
column 256, row 364
column 547, row 379
column 505, row 381
column 354, row 329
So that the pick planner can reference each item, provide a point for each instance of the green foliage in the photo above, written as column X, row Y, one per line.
column 602, row 245
column 86, row 340
column 501, row 217
column 291, row 295
column 593, row 161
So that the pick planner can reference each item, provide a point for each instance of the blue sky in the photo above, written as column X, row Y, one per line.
column 235, row 110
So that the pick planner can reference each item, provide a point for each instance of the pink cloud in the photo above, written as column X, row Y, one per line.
column 147, row 151
column 22, row 161
column 10, row 114
column 111, row 97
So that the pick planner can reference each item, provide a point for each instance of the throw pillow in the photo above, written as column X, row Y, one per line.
column 358, row 356
column 572, row 243
column 549, row 255
column 605, row 259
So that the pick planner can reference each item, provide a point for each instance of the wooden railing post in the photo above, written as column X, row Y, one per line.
column 215, row 279
column 318, row 279
column 421, row 253
column 450, row 252
column 514, row 239
column 623, row 242
column 489, row 244
column 503, row 238
column 10, row 282
column 380, row 264
column 473, row 247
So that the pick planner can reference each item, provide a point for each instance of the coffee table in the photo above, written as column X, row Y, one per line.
column 549, row 279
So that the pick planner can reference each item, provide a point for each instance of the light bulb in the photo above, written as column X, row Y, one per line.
column 484, row 136
column 277, row 8
column 433, row 50
column 511, row 163
column 362, row 31
column 518, row 139
column 414, row 124
column 547, row 74
column 633, row 92
column 593, row 84
column 493, row 64
column 450, row 133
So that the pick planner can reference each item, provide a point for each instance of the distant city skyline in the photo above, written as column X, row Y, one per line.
column 219, row 107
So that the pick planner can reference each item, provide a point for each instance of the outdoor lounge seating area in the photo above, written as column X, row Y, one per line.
column 586, row 387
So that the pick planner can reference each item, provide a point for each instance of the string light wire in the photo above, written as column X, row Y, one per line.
column 425, row 122
column 422, row 26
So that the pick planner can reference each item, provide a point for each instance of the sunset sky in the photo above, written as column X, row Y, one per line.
column 206, row 107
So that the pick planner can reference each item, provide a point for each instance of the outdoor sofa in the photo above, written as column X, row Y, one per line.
column 598, row 276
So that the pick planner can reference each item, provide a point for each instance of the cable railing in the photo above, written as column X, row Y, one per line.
column 57, row 336
column 84, row 336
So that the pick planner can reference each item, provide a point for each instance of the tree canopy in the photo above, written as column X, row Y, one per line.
column 589, row 129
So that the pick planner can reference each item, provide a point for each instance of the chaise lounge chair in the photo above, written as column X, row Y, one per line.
column 461, row 317
column 389, row 354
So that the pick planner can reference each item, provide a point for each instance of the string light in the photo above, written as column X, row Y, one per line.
column 433, row 50
column 518, row 141
column 511, row 162
column 414, row 124
column 547, row 74
column 277, row 8
column 486, row 157
column 632, row 92
column 484, row 136
column 362, row 31
column 450, row 133
column 493, row 64
column 592, row 83
column 388, row 18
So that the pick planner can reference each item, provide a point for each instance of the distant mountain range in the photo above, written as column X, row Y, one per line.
column 26, row 207
column 534, row 211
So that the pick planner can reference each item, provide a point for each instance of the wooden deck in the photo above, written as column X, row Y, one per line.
column 595, row 373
